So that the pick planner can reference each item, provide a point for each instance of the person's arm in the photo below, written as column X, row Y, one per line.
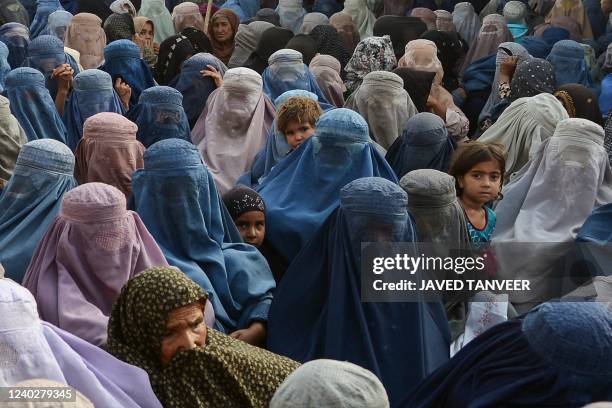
column 214, row 74
column 124, row 91
column 63, row 76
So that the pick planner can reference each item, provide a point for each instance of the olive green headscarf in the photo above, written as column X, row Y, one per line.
column 225, row 373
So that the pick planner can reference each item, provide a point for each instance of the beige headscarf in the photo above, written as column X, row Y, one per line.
column 422, row 55
column 12, row 137
column 575, row 10
column 85, row 35
column 326, row 70
column 187, row 14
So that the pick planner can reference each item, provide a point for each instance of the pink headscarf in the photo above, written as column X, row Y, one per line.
column 494, row 31
column 187, row 14
column 326, row 70
column 233, row 126
column 427, row 15
column 422, row 55
column 109, row 152
column 86, row 35
column 86, row 256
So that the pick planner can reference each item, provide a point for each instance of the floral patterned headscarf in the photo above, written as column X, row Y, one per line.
column 371, row 54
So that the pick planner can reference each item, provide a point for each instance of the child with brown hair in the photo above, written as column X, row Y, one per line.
column 296, row 119
column 478, row 169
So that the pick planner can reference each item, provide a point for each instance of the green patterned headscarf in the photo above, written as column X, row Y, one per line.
column 225, row 373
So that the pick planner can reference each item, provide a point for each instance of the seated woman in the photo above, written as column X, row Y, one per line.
column 176, row 197
column 34, row 349
column 560, row 354
column 157, row 324
column 94, row 246
column 318, row 310
column 302, row 190
column 31, row 201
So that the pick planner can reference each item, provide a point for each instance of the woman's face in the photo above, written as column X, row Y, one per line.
column 185, row 330
column 222, row 30
column 147, row 32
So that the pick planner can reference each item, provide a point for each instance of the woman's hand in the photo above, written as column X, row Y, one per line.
column 63, row 75
column 507, row 68
column 124, row 91
column 214, row 74
column 255, row 334
column 156, row 48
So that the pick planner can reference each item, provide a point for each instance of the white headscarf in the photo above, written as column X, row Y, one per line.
column 523, row 126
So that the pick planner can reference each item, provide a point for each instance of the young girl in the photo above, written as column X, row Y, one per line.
column 478, row 169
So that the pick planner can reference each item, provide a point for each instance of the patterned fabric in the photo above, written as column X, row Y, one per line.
column 532, row 77
column 225, row 373
column 371, row 54
column 329, row 42
column 119, row 27
column 241, row 199
column 173, row 51
column 482, row 235
column 608, row 137
column 580, row 102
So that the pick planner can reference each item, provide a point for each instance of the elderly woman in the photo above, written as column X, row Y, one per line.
column 158, row 324
column 221, row 31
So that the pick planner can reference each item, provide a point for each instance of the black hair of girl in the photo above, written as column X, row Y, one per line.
column 470, row 154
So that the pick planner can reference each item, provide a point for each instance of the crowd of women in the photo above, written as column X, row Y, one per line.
column 186, row 188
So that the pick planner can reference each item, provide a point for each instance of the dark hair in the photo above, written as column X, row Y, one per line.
column 470, row 154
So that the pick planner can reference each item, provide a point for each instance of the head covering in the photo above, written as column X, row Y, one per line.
column 246, row 40
column 329, row 42
column 516, row 13
column 339, row 153
column 41, row 18
column 291, row 14
column 305, row 45
column 57, row 355
column 93, row 235
column 466, row 21
column 241, row 199
column 504, row 50
column 552, row 176
column 312, row 20
column 523, row 126
column 119, row 27
column 422, row 55
column 268, row 15
column 173, row 51
column 400, row 29
column 347, row 30
column 31, row 200
column 201, row 376
column 92, row 92
column 85, row 34
column 423, row 144
column 177, row 199
column 32, row 105
column 159, row 115
column 426, row 15
column 45, row 53
column 58, row 23
column 156, row 10
column 326, row 383
column 450, row 53
column 493, row 32
column 193, row 86
column 187, row 14
column 580, row 102
column 13, row 11
column 12, row 137
column 271, row 40
column 559, row 28
column 244, row 9
column 122, row 60
column 4, row 65
column 16, row 37
column 198, row 39
column 326, row 70
column 286, row 72
column 536, row 46
column 417, row 84
column 605, row 98
column 362, row 17
column 123, row 6
column 223, row 51
column 558, row 353
column 384, row 103
column 575, row 10
column 567, row 58
column 234, row 126
column 368, row 207
column 96, row 7
column 371, row 54
column 444, row 21
column 433, row 203
column 108, row 152
column 531, row 77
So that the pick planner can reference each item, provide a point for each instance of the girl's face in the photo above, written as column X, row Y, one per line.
column 147, row 32
column 481, row 183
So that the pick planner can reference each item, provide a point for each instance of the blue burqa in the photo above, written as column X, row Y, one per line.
column 318, row 312
column 92, row 92
column 32, row 105
column 176, row 197
column 41, row 18
column 567, row 57
column 16, row 37
column 160, row 115
column 31, row 201
column 302, row 190
column 4, row 65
